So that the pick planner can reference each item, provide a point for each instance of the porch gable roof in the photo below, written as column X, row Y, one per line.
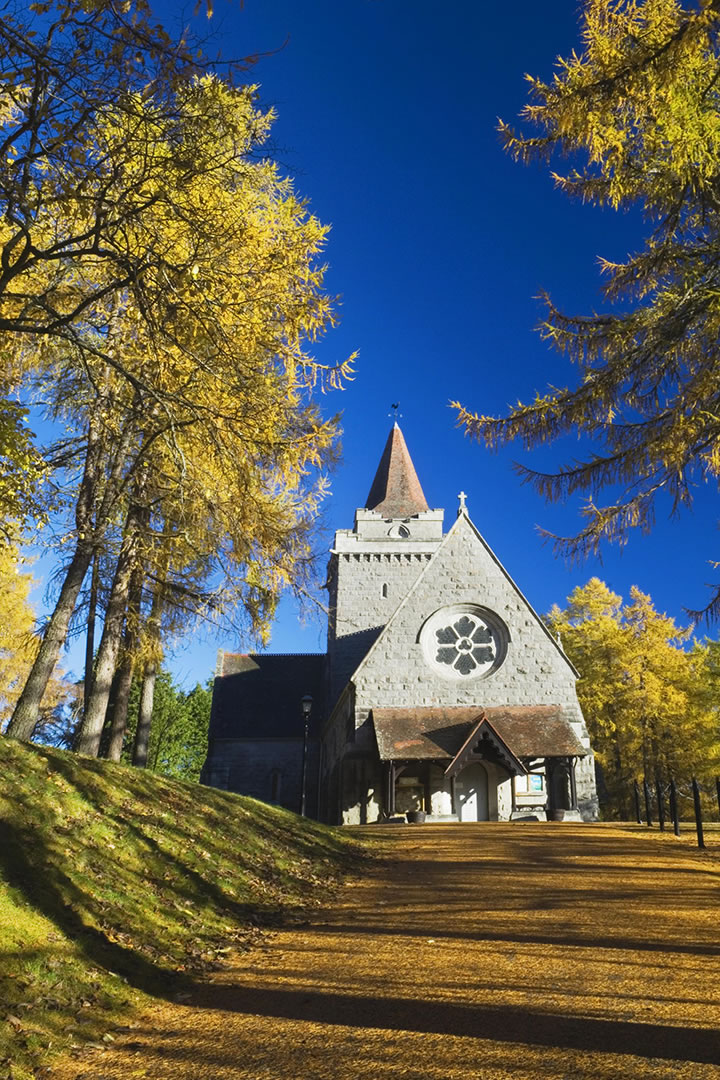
column 437, row 734
column 495, row 747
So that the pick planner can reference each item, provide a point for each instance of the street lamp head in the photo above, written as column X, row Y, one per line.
column 306, row 704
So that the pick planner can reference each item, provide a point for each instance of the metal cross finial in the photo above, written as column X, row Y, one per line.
column 395, row 411
column 462, row 509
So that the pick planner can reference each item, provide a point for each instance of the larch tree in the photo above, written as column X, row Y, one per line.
column 22, row 470
column 592, row 635
column 17, row 643
column 66, row 203
column 637, row 112
column 643, row 693
column 70, row 203
column 194, row 405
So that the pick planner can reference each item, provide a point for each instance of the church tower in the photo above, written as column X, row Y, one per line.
column 374, row 564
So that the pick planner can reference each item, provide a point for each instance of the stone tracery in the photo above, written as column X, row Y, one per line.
column 464, row 641
column 465, row 645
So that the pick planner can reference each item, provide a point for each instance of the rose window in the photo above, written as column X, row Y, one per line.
column 464, row 641
column 465, row 645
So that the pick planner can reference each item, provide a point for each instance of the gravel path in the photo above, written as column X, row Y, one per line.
column 484, row 952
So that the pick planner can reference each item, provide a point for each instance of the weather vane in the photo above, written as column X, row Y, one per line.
column 395, row 410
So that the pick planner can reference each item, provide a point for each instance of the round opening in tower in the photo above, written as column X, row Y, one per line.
column 464, row 641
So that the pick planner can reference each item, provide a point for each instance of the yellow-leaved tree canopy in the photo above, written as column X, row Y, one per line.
column 19, row 642
column 195, row 455
column 17, row 626
column 646, row 697
column 638, row 110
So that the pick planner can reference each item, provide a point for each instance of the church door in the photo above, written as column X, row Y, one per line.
column 472, row 794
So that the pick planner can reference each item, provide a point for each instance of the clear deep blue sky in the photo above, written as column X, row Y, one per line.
column 387, row 113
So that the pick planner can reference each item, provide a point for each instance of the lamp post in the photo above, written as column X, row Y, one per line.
column 306, row 706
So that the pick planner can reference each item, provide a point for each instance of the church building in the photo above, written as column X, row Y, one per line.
column 442, row 696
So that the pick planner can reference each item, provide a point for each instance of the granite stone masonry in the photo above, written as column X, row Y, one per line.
column 442, row 694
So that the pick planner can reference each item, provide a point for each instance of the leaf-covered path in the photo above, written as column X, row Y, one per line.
column 493, row 951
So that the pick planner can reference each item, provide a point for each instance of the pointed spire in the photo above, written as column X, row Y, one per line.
column 396, row 490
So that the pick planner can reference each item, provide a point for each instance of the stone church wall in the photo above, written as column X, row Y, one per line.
column 534, row 670
column 365, row 589
column 361, row 790
column 370, row 585
column 586, row 788
column 262, row 768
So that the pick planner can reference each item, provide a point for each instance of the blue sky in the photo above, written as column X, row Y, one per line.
column 387, row 114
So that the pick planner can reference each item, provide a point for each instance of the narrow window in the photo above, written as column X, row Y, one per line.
column 384, row 591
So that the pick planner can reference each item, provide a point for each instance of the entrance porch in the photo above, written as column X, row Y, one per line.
column 495, row 766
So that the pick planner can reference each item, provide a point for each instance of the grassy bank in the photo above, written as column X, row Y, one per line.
column 117, row 884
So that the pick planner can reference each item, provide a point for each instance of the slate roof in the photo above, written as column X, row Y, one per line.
column 257, row 695
column 396, row 491
column 529, row 731
column 422, row 732
column 536, row 731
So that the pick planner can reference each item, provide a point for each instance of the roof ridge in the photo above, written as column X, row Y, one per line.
column 228, row 653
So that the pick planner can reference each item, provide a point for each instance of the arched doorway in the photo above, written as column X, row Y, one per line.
column 471, row 792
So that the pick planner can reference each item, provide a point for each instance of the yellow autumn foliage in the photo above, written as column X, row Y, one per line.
column 637, row 112
column 216, row 407
column 18, row 639
column 644, row 693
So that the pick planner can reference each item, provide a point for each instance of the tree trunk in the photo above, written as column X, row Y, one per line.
column 118, row 711
column 147, row 693
column 88, row 741
column 655, row 746
column 147, row 697
column 123, row 681
column 105, row 735
column 90, row 636
column 27, row 710
column 619, row 793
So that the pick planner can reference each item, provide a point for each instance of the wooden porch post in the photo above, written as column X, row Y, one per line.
column 453, row 796
column 550, row 785
column 573, row 784
column 391, row 789
column 427, row 798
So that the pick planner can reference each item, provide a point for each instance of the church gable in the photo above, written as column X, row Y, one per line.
column 464, row 634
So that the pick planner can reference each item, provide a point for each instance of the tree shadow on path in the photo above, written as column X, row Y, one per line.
column 500, row 1023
